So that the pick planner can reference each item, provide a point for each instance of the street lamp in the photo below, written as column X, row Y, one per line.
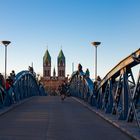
column 96, row 44
column 5, row 43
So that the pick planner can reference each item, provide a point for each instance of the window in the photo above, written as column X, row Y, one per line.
column 45, row 73
column 48, row 73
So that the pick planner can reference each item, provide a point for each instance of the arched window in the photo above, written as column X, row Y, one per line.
column 59, row 73
column 45, row 73
column 48, row 73
column 62, row 73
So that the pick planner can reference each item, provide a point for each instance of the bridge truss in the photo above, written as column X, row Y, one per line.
column 24, row 86
column 118, row 93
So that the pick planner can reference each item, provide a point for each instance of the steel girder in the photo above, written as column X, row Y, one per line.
column 117, row 93
column 81, row 86
column 134, row 109
column 24, row 86
column 114, row 93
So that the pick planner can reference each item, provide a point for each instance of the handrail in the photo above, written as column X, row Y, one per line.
column 88, row 81
column 25, row 85
column 127, row 62
column 117, row 93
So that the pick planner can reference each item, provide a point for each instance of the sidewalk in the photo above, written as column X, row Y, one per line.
column 5, row 109
column 129, row 128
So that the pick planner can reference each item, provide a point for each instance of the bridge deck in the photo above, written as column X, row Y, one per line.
column 47, row 118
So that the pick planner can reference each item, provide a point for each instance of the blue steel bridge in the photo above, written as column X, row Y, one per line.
column 106, row 109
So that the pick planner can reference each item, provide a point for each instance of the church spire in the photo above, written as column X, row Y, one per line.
column 61, row 65
column 54, row 73
column 61, row 57
column 47, row 65
column 47, row 57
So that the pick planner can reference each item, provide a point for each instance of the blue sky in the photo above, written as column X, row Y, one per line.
column 32, row 25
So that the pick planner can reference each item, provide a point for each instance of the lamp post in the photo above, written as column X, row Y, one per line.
column 5, row 43
column 96, row 44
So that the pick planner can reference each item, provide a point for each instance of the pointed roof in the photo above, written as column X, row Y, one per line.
column 61, row 56
column 47, row 57
column 54, row 73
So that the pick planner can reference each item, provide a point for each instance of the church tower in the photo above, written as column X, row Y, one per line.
column 61, row 64
column 47, row 65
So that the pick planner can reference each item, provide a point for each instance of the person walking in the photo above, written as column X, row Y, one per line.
column 63, row 91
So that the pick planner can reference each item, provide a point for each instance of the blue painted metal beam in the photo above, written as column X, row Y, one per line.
column 113, row 93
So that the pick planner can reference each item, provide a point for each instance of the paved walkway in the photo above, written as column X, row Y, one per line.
column 130, row 129
column 47, row 118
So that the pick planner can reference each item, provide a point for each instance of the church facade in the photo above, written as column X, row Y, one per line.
column 52, row 82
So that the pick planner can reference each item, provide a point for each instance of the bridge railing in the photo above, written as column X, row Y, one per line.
column 81, row 85
column 25, row 85
column 118, row 93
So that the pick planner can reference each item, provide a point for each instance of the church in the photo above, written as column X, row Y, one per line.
column 51, row 83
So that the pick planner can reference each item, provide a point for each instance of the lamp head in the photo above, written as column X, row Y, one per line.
column 96, row 43
column 6, row 42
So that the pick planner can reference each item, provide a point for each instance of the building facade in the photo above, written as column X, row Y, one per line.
column 51, row 83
